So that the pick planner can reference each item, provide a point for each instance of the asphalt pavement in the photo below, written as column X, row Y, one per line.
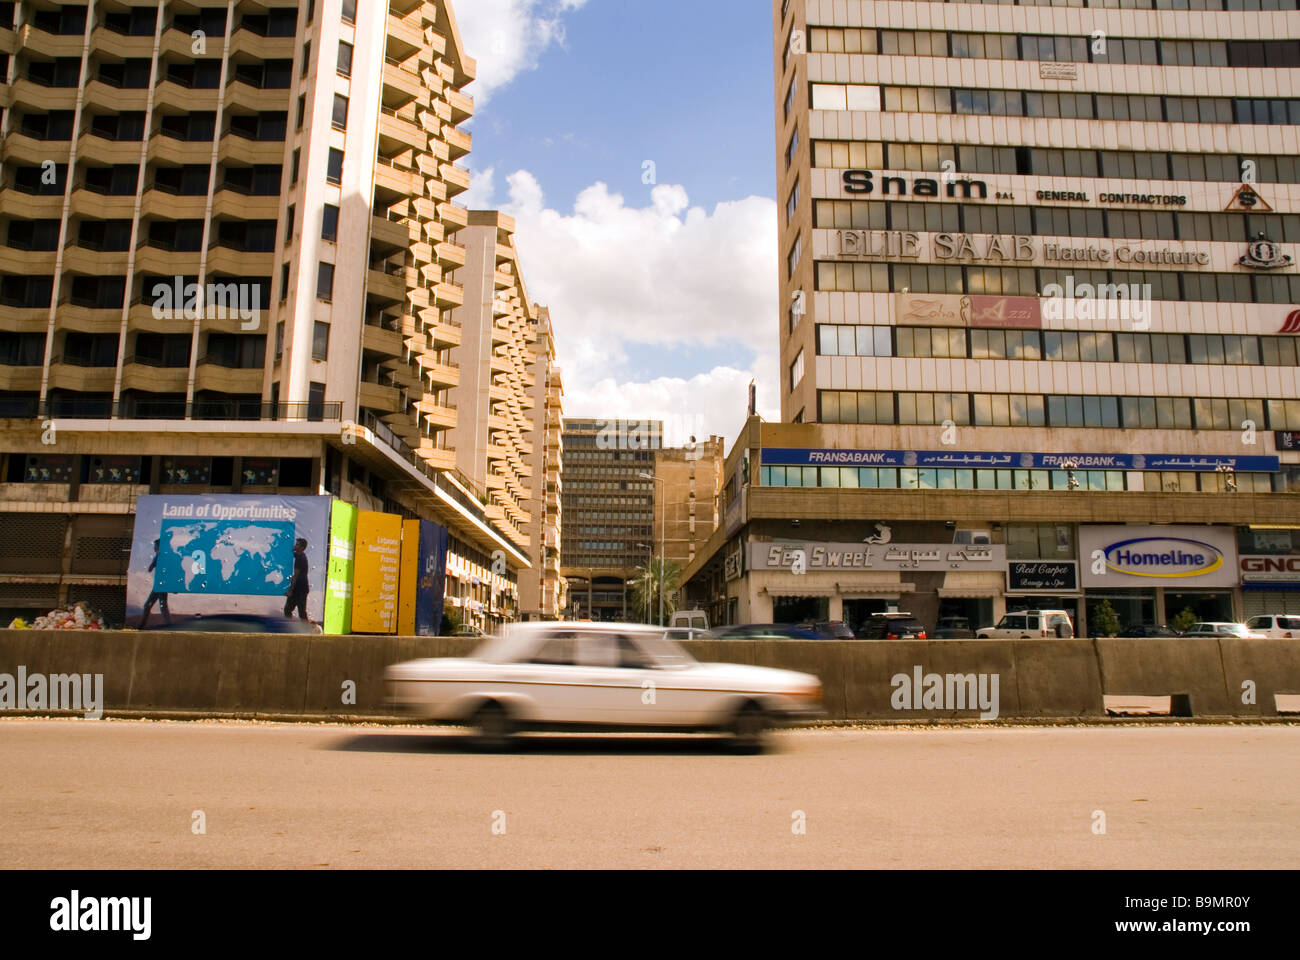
column 225, row 794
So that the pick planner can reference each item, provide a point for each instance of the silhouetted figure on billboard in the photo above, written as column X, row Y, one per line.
column 162, row 573
column 298, row 586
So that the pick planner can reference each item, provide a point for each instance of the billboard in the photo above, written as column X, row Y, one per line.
column 433, row 579
column 1174, row 556
column 338, row 590
column 409, row 579
column 208, row 555
column 376, row 572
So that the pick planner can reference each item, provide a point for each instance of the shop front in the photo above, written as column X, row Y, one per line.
column 1159, row 574
column 1270, row 570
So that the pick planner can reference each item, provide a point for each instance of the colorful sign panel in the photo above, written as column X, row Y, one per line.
column 1001, row 460
column 376, row 573
column 338, row 589
column 1171, row 556
column 432, row 584
column 1050, row 576
column 410, row 576
column 204, row 556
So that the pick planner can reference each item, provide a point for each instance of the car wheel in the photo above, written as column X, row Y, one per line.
column 749, row 729
column 496, row 729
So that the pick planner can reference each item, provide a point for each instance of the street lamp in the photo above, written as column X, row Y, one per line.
column 663, row 517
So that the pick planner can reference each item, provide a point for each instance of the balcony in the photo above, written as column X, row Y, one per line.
column 440, row 374
column 101, row 94
column 99, row 262
column 240, row 263
column 103, row 150
column 405, row 85
column 381, row 340
column 24, row 379
column 376, row 396
column 31, row 206
column 439, row 416
column 397, row 132
column 395, row 182
column 149, row 375
column 29, row 262
column 30, row 150
column 120, row 45
column 459, row 143
column 214, row 374
column 180, row 44
column 179, row 152
column 260, row 47
column 251, row 152
column 258, row 99
column 88, row 203
column 25, row 92
column 451, row 213
column 462, row 106
column 388, row 285
column 389, row 233
column 405, row 37
column 449, row 295
column 231, row 202
column 166, row 263
column 50, row 44
column 73, row 374
column 456, row 178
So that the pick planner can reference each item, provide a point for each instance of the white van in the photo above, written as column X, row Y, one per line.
column 1030, row 624
column 1277, row 627
column 695, row 619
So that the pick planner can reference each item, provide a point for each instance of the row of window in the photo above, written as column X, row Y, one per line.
column 1071, row 106
column 837, row 340
column 924, row 217
column 244, row 351
column 1055, row 410
column 1231, row 5
column 921, row 478
column 1026, row 281
column 1011, row 46
column 1050, row 162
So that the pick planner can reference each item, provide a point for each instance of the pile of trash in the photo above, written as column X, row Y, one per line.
column 79, row 617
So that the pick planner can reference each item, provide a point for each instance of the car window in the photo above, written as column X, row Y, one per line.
column 557, row 650
column 1012, row 623
column 699, row 623
column 1288, row 623
column 1057, row 619
column 1031, row 623
column 631, row 656
column 597, row 650
column 1259, row 623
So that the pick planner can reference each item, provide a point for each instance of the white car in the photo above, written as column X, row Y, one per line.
column 1217, row 629
column 574, row 675
column 1278, row 627
column 1029, row 624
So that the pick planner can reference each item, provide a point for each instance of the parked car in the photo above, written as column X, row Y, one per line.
column 567, row 675
column 1148, row 630
column 767, row 631
column 235, row 623
column 473, row 633
column 953, row 628
column 688, row 633
column 1029, row 625
column 831, row 629
column 893, row 626
column 1219, row 629
column 695, row 619
column 1277, row 626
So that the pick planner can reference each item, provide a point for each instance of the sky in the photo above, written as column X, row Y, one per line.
column 633, row 143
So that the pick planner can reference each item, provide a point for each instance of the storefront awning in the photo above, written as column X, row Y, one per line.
column 972, row 585
column 858, row 591
column 799, row 592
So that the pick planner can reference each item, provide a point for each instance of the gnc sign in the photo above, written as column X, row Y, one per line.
column 1270, row 569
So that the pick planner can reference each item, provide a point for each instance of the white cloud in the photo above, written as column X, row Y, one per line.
column 508, row 37
column 621, row 280
column 482, row 187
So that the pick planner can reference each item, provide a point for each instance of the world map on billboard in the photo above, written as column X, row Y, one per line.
column 250, row 558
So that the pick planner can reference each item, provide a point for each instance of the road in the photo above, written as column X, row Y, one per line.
column 125, row 794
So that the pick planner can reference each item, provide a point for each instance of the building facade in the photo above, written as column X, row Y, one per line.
column 609, row 512
column 227, row 263
column 686, row 505
column 1039, row 279
column 542, row 589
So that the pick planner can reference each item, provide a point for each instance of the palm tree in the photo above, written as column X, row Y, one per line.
column 646, row 586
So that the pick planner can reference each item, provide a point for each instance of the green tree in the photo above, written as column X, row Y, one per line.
column 656, row 576
column 1105, row 622
column 1183, row 622
column 452, row 620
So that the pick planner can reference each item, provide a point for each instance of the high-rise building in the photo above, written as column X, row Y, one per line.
column 542, row 589
column 1038, row 317
column 493, row 400
column 609, row 512
column 227, row 263
column 686, row 504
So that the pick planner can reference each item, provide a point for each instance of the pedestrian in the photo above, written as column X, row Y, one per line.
column 298, row 585
column 156, row 596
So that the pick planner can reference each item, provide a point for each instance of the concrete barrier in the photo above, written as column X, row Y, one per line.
column 341, row 676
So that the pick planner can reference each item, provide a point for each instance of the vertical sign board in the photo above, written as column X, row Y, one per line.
column 376, row 573
column 410, row 574
column 338, row 590
column 433, row 579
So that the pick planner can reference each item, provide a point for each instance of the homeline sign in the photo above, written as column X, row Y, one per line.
column 1173, row 556
column 998, row 460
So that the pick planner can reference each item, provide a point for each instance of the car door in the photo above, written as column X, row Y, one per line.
column 553, row 680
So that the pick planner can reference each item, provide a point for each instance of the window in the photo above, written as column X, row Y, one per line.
column 306, row 57
column 792, row 203
column 316, row 401
column 340, row 112
column 334, row 166
column 796, row 371
column 325, row 281
column 293, row 167
column 345, row 58
column 284, row 286
column 320, row 341
column 288, row 224
column 795, row 253
column 349, row 11
column 329, row 229
column 793, row 148
column 302, row 109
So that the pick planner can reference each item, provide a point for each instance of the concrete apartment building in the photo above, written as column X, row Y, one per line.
column 542, row 589
column 686, row 507
column 296, row 166
column 1038, row 321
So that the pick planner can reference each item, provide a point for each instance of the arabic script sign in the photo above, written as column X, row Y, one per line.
column 1002, row 460
column 814, row 557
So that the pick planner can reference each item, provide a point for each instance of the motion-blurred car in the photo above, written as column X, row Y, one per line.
column 953, row 628
column 893, row 626
column 1276, row 626
column 472, row 632
column 767, row 631
column 688, row 633
column 1219, row 629
column 575, row 675
column 1147, row 630
column 831, row 630
column 234, row 623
